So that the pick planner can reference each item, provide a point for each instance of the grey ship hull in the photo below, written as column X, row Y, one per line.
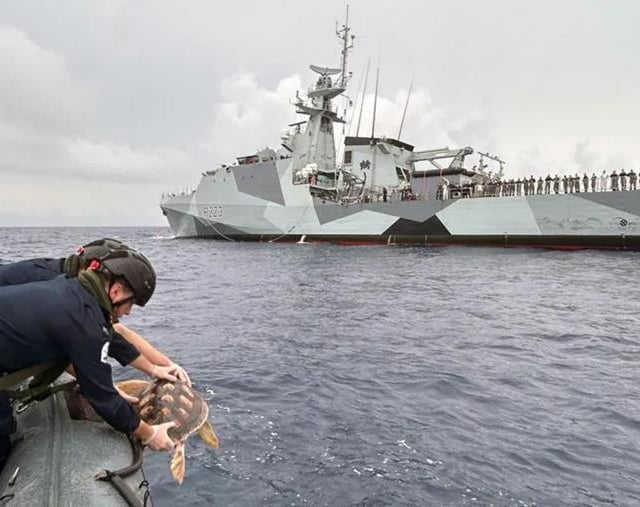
column 258, row 203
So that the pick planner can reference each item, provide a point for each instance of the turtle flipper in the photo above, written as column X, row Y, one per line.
column 133, row 387
column 178, row 463
column 209, row 436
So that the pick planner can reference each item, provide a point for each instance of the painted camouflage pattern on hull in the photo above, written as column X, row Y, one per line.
column 258, row 202
column 305, row 190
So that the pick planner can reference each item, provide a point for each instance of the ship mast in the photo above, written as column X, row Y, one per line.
column 364, row 92
column 347, row 44
column 317, row 146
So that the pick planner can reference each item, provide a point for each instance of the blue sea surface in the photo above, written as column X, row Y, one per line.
column 388, row 375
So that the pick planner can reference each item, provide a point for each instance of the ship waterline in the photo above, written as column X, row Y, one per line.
column 585, row 220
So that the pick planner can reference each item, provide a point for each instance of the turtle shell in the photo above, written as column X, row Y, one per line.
column 163, row 401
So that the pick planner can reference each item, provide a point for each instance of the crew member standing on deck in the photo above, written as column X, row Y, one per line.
column 614, row 181
column 604, row 181
column 67, row 320
column 576, row 183
column 633, row 180
column 594, row 182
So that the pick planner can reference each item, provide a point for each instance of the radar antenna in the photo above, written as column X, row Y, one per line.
column 324, row 71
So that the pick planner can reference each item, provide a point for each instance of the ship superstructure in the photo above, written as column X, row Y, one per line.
column 382, row 192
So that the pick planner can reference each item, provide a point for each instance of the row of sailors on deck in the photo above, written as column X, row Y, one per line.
column 551, row 185
column 569, row 184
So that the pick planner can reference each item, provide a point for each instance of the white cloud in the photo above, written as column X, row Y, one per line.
column 37, row 91
column 249, row 116
column 44, row 109
column 427, row 125
column 422, row 121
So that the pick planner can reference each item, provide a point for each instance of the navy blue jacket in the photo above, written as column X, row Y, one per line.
column 36, row 270
column 32, row 270
column 58, row 320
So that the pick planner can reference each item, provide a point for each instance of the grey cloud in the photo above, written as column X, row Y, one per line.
column 37, row 91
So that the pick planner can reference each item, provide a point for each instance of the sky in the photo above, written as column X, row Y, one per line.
column 104, row 105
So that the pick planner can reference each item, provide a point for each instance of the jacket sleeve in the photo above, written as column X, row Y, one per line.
column 27, row 271
column 121, row 350
column 87, row 349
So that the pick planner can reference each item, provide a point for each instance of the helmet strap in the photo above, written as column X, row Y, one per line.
column 122, row 302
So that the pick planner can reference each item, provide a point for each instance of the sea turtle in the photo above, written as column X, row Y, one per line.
column 162, row 401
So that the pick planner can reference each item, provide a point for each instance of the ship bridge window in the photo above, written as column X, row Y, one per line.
column 348, row 157
column 251, row 159
column 402, row 173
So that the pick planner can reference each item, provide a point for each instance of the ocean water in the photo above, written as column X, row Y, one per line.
column 390, row 375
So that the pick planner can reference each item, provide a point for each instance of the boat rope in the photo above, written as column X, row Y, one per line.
column 147, row 493
column 220, row 233
column 292, row 227
column 116, row 478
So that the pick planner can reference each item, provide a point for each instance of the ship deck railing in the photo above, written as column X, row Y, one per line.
column 180, row 192
column 495, row 190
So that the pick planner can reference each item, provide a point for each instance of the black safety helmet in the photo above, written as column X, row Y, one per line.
column 136, row 270
column 97, row 249
column 100, row 248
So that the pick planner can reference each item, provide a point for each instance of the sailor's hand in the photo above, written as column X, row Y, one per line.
column 180, row 373
column 164, row 373
column 159, row 439
column 128, row 397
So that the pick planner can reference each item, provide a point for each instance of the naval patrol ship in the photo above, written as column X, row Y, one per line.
column 380, row 192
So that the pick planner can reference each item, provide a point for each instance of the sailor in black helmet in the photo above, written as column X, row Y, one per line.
column 127, row 346
column 68, row 320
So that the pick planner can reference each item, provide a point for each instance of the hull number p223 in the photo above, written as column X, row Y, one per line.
column 212, row 212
